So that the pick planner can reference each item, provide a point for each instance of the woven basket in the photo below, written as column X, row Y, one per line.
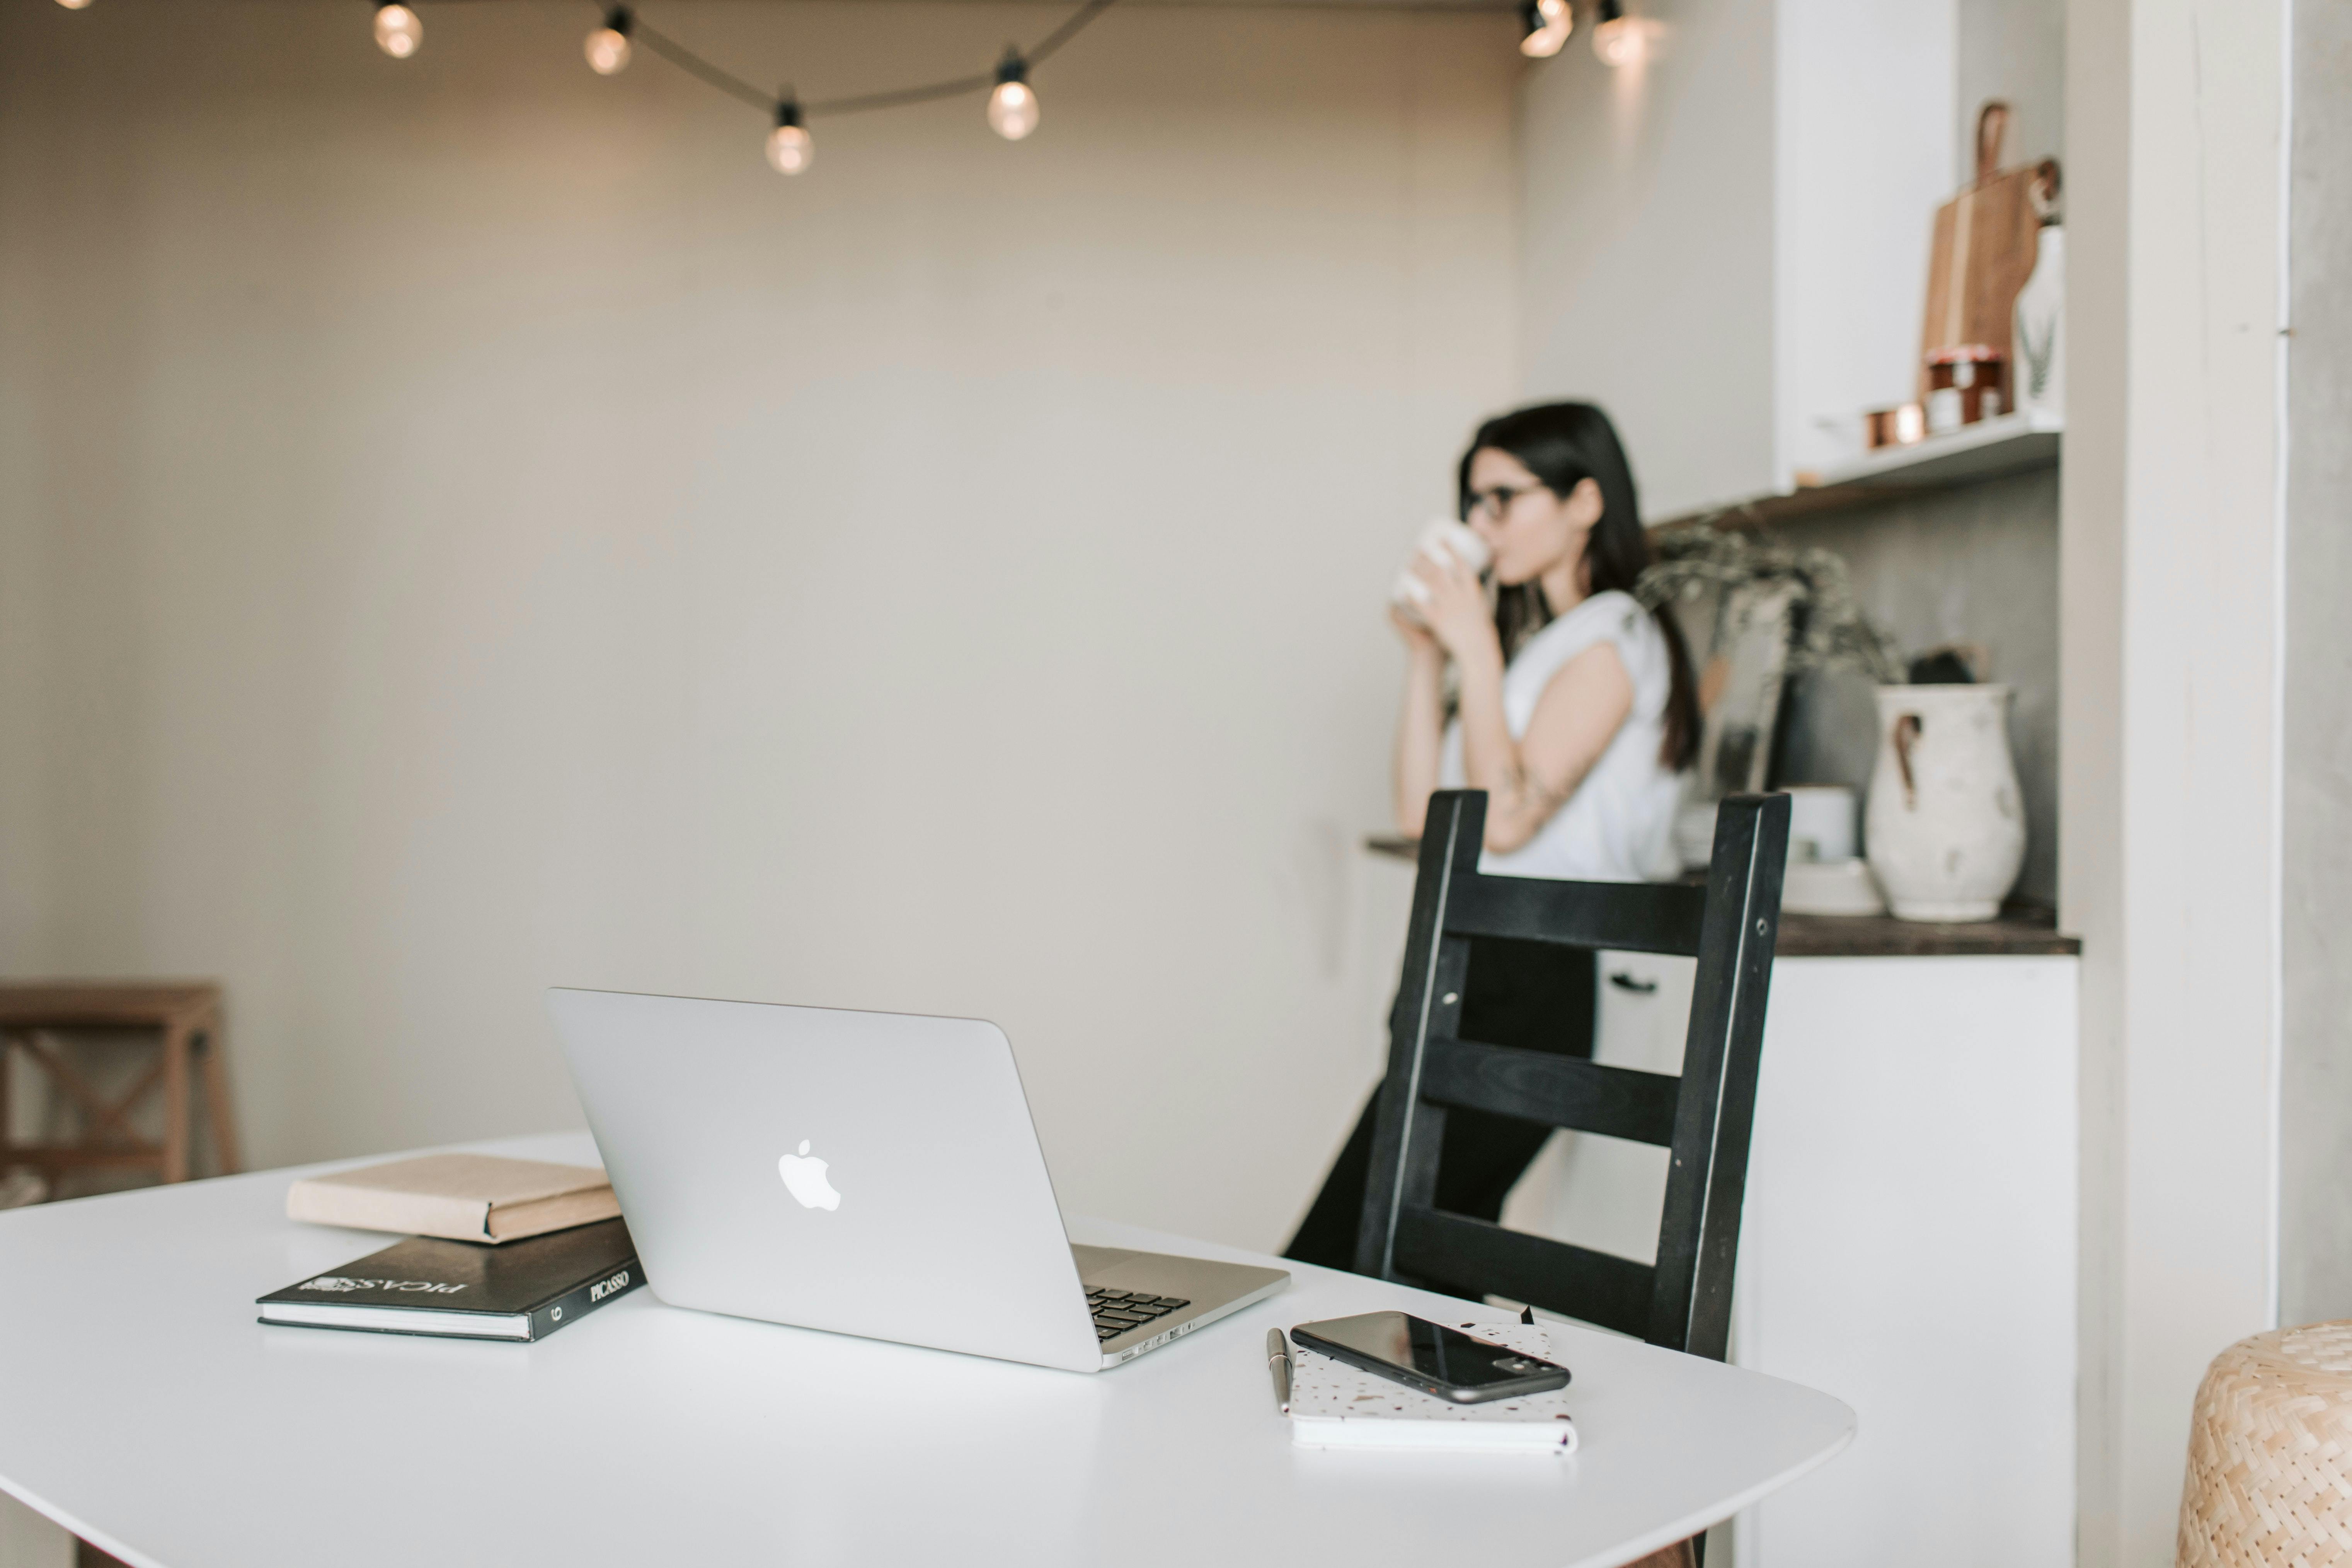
column 2270, row 1454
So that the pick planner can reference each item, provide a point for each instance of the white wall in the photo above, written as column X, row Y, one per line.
column 467, row 525
column 2014, row 50
column 1648, row 237
column 1863, row 152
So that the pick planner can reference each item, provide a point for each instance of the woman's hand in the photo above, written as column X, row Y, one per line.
column 1457, row 612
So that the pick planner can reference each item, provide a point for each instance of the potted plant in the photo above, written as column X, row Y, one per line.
column 1945, row 825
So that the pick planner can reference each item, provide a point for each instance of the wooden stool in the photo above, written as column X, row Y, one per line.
column 2270, row 1454
column 186, row 1016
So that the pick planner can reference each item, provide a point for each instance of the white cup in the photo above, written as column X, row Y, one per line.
column 1444, row 541
column 1822, row 815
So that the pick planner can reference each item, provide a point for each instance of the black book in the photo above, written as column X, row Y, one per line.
column 515, row 1291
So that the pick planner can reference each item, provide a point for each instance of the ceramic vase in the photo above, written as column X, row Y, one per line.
column 2039, row 330
column 1945, row 823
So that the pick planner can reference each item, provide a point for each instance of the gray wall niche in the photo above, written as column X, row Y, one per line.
column 2316, row 1072
column 1976, row 564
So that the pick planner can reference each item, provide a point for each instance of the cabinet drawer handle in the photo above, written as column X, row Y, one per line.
column 1624, row 981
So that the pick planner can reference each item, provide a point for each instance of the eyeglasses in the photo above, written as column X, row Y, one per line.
column 1496, row 500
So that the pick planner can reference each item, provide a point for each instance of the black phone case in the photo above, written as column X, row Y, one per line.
column 1454, row 1392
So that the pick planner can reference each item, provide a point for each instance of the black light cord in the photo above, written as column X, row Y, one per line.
column 767, row 102
column 1067, row 30
column 695, row 66
column 955, row 89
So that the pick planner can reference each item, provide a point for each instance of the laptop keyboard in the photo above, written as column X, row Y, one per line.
column 1116, row 1311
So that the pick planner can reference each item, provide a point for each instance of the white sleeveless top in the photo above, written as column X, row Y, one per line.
column 1619, row 826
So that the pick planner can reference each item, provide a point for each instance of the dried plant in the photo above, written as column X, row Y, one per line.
column 1828, row 629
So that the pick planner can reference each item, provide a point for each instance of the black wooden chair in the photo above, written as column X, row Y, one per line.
column 1683, row 1302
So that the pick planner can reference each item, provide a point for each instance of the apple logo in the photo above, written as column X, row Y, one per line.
column 804, row 1179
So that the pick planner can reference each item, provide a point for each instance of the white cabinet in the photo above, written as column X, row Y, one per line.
column 1605, row 1192
column 1908, row 1243
column 27, row 1540
column 1643, row 1010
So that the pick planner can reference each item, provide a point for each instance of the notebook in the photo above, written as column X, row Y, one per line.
column 464, row 1197
column 464, row 1290
column 1335, row 1405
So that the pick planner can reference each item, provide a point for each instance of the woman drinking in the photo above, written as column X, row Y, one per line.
column 1574, row 709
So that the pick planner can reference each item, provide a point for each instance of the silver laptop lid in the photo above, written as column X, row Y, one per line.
column 872, row 1174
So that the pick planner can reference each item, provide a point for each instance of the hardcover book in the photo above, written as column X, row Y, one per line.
column 524, row 1290
column 466, row 1197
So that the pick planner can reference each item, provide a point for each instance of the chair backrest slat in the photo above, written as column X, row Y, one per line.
column 1720, row 1057
column 1566, row 1092
column 1636, row 917
column 1486, row 1259
column 1703, row 1116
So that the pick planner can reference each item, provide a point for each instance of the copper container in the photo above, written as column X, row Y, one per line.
column 1897, row 427
column 1965, row 385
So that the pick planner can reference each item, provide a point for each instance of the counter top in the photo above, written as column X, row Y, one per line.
column 2022, row 929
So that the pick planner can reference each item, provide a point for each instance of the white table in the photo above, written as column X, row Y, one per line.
column 142, row 1407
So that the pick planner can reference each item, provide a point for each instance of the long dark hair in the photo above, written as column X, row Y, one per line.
column 1564, row 444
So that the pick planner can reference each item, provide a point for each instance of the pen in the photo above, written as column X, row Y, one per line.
column 1277, row 1362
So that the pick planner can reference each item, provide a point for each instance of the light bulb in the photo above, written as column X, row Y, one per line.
column 75, row 5
column 1549, row 23
column 1618, row 40
column 1012, row 110
column 608, row 46
column 397, row 31
column 1012, row 106
column 790, row 147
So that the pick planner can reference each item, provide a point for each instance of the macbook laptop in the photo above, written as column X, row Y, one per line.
column 870, row 1174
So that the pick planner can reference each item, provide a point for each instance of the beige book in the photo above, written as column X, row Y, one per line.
column 466, row 1197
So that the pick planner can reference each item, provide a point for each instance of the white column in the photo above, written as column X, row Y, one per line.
column 2170, row 593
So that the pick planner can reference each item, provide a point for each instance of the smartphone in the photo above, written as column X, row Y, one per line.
column 1431, row 1357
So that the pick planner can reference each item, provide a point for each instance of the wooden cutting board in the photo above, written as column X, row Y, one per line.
column 1983, row 249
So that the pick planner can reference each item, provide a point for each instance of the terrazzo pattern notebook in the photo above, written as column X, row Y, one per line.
column 1335, row 1405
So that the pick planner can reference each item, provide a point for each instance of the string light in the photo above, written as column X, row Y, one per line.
column 1012, row 106
column 790, row 147
column 1617, row 39
column 608, row 47
column 1548, row 23
column 397, row 31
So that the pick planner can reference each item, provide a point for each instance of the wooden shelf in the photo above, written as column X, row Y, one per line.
column 2019, row 928
column 1990, row 450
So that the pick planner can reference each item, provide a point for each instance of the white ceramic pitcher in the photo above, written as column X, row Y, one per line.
column 1946, row 822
